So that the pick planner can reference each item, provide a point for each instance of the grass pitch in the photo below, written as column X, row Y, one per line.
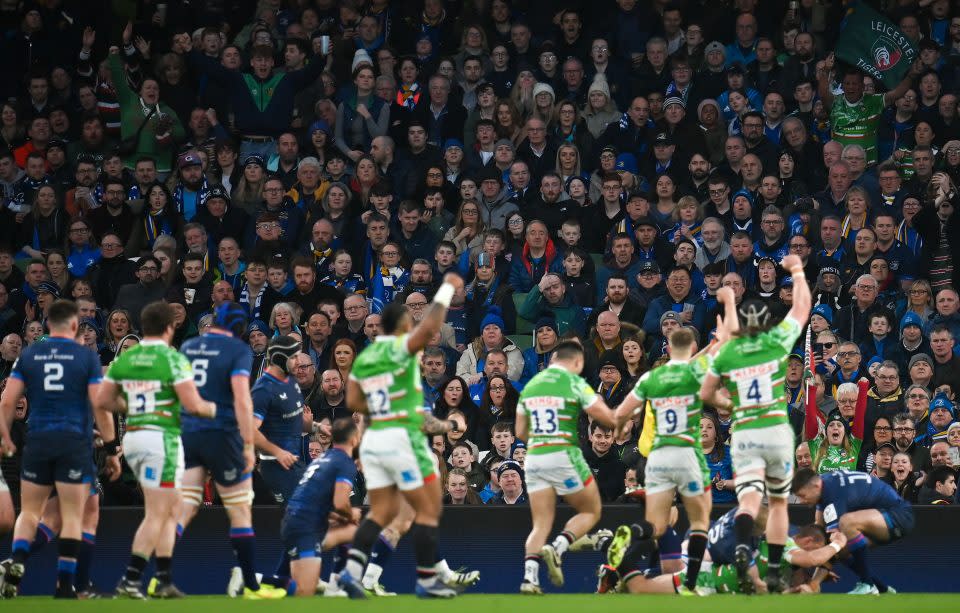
column 485, row 603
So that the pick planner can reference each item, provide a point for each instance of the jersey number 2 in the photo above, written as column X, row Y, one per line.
column 53, row 377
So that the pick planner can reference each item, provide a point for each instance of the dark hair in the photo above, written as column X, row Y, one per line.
column 567, row 350
column 61, row 312
column 441, row 409
column 391, row 316
column 508, row 408
column 342, row 430
column 803, row 478
column 155, row 318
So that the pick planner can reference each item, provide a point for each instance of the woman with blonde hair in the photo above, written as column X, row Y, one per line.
column 248, row 192
column 687, row 216
column 568, row 162
column 467, row 230
column 522, row 94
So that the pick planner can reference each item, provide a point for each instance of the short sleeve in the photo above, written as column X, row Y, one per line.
column 242, row 362
column 346, row 473
column 112, row 374
column 785, row 333
column 583, row 392
column 180, row 368
column 639, row 391
column 715, row 366
column 261, row 401
column 700, row 366
column 398, row 350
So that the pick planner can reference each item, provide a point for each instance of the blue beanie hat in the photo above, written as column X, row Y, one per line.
column 257, row 325
column 910, row 319
column 494, row 317
column 321, row 125
column 743, row 192
column 940, row 401
column 824, row 311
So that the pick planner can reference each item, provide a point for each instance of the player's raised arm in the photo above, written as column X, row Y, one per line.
column 436, row 314
column 802, row 299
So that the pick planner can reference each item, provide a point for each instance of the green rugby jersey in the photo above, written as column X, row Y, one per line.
column 552, row 401
column 674, row 394
column 753, row 369
column 857, row 124
column 147, row 374
column 390, row 379
column 834, row 457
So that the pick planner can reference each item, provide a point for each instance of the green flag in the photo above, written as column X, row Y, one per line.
column 869, row 41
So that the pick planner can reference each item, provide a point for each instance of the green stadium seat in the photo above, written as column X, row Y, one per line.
column 523, row 326
column 523, row 341
column 597, row 260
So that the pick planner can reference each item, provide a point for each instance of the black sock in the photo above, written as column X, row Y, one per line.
column 743, row 528
column 881, row 586
column 642, row 529
column 775, row 555
column 366, row 537
column 425, row 549
column 135, row 567
column 635, row 554
column 164, row 576
column 695, row 549
column 68, row 549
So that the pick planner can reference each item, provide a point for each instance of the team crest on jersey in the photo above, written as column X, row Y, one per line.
column 230, row 475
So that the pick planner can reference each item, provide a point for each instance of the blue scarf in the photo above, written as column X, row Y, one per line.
column 155, row 224
column 491, row 290
column 178, row 194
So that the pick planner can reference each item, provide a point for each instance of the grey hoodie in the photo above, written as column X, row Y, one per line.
column 494, row 213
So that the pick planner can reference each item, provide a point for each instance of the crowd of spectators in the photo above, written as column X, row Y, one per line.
column 592, row 169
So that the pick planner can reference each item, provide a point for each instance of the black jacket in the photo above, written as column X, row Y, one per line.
column 608, row 470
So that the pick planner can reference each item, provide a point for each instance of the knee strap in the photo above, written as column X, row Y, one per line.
column 192, row 495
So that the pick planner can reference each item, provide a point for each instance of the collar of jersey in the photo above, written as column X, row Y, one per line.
column 213, row 332
column 681, row 362
column 150, row 343
column 266, row 374
column 386, row 337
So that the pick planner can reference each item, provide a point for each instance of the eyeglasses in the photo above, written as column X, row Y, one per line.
column 498, row 388
column 358, row 307
column 149, row 269
column 111, row 246
column 828, row 345
column 847, row 354
column 267, row 225
column 717, row 192
column 416, row 305
column 888, row 377
column 919, row 291
column 471, row 212
column 390, row 254
column 918, row 397
column 304, row 366
column 79, row 230
column 882, row 428
column 904, row 429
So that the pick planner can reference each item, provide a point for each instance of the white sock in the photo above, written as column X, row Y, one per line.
column 561, row 543
column 372, row 576
column 531, row 570
column 354, row 569
column 443, row 570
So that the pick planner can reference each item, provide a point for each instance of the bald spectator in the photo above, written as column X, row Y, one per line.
column 10, row 349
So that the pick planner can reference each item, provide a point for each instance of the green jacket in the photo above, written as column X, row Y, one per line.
column 132, row 115
column 568, row 314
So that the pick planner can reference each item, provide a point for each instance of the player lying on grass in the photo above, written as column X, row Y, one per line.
column 864, row 509
column 676, row 463
column 808, row 556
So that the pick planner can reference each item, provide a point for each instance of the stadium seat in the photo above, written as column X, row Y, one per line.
column 523, row 326
column 597, row 260
column 523, row 341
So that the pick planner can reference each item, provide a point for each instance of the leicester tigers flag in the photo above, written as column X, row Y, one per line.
column 869, row 41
